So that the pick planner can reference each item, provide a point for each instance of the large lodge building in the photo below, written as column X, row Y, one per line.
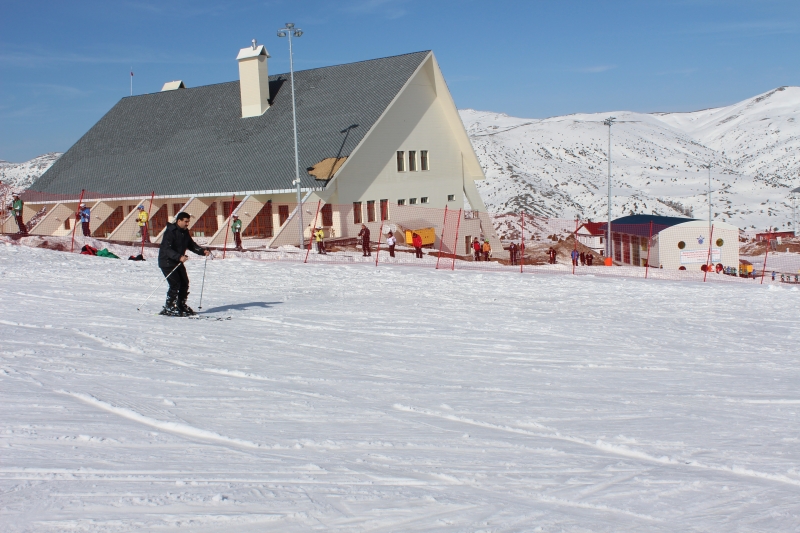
column 380, row 141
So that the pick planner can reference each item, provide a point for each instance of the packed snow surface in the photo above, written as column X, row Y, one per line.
column 355, row 398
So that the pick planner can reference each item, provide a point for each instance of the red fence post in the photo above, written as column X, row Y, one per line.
column 575, row 249
column 230, row 216
column 708, row 260
column 649, row 245
column 522, row 245
column 455, row 240
column 441, row 238
column 146, row 227
column 75, row 226
column 766, row 253
column 313, row 227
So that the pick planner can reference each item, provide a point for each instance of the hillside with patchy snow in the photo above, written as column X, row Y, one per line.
column 20, row 176
column 558, row 166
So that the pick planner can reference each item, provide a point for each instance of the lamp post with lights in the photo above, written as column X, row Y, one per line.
column 290, row 31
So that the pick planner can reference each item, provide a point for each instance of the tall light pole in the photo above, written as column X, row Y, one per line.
column 290, row 31
column 609, row 248
column 710, row 214
column 794, row 210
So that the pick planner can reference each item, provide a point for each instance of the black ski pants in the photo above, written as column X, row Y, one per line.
column 20, row 224
column 178, row 283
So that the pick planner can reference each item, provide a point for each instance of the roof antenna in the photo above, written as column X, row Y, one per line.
column 254, row 44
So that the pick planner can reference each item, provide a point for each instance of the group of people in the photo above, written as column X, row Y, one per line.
column 578, row 258
column 391, row 242
column 481, row 250
column 84, row 216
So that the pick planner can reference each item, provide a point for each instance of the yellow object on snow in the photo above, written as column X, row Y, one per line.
column 428, row 235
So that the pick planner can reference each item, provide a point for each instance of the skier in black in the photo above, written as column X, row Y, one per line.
column 364, row 234
column 171, row 254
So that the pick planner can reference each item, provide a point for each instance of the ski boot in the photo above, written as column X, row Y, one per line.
column 184, row 309
column 170, row 309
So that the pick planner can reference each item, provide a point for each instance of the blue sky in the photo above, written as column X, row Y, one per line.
column 64, row 64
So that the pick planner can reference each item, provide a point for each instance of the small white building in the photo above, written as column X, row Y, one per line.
column 673, row 243
column 593, row 236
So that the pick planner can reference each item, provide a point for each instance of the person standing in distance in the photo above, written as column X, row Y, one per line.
column 17, row 206
column 142, row 219
column 513, row 250
column 85, row 216
column 416, row 242
column 319, row 236
column 364, row 234
column 172, row 254
column 392, row 242
column 236, row 228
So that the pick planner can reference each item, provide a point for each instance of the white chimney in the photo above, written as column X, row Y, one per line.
column 253, row 80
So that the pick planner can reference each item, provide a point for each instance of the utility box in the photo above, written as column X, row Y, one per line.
column 428, row 235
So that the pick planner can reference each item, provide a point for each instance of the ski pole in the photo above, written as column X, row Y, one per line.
column 203, row 285
column 157, row 286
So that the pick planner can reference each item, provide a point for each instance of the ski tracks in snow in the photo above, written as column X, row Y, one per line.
column 602, row 446
column 176, row 428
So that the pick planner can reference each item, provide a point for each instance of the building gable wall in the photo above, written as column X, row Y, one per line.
column 419, row 119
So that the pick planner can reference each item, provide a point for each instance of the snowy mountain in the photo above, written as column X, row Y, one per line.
column 558, row 166
column 19, row 176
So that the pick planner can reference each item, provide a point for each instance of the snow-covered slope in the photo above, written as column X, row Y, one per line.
column 19, row 176
column 558, row 166
column 337, row 400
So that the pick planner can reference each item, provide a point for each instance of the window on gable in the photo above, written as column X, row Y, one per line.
column 401, row 201
column 370, row 210
column 412, row 201
column 356, row 212
column 412, row 161
column 423, row 160
column 401, row 161
column 423, row 200
column 451, row 197
column 384, row 210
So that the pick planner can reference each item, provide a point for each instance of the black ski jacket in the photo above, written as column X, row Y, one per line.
column 174, row 245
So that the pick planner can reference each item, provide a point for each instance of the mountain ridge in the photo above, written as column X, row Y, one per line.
column 558, row 166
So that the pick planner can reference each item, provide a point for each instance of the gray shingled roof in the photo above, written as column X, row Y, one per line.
column 195, row 141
